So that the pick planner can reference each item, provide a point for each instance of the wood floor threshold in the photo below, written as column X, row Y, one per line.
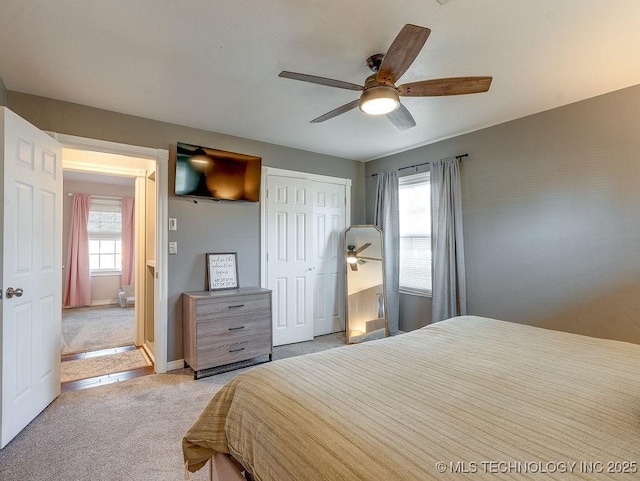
column 102, row 352
column 105, row 379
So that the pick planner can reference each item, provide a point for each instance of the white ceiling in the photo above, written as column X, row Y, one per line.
column 214, row 64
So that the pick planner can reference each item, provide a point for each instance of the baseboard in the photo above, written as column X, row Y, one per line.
column 173, row 365
column 105, row 302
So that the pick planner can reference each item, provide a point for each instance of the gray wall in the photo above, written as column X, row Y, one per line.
column 202, row 227
column 551, row 217
column 103, row 288
column 3, row 93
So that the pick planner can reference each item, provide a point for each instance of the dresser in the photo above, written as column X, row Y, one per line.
column 225, row 327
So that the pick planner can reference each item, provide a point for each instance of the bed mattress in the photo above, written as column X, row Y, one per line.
column 469, row 396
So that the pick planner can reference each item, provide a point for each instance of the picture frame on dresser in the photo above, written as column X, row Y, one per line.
column 221, row 271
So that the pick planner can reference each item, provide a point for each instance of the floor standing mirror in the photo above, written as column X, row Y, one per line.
column 366, row 313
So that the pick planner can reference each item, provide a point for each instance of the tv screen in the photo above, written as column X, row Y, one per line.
column 217, row 174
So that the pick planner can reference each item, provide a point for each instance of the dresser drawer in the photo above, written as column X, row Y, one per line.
column 225, row 349
column 207, row 309
column 233, row 325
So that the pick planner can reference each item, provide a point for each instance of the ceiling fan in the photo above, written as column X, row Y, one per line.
column 380, row 96
column 353, row 259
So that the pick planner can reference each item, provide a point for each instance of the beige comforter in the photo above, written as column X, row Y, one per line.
column 468, row 398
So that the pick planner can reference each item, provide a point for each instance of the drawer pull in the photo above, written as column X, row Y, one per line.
column 236, row 328
column 236, row 350
column 236, row 306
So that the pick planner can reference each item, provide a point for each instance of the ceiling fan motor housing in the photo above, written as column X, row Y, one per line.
column 377, row 98
column 352, row 257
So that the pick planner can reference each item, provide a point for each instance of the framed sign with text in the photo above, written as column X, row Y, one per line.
column 222, row 271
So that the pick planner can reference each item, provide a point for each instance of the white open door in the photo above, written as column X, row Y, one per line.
column 31, row 283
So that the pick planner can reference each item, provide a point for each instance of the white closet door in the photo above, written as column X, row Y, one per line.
column 329, row 259
column 290, row 266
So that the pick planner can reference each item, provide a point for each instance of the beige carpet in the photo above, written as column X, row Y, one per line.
column 101, row 365
column 87, row 329
column 124, row 431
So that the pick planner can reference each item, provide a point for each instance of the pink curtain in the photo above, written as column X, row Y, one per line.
column 78, row 274
column 128, row 242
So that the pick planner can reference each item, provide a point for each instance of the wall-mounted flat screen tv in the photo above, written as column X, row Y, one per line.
column 217, row 174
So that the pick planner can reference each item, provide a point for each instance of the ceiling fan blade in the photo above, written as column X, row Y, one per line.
column 403, row 51
column 370, row 258
column 401, row 118
column 362, row 247
column 336, row 112
column 354, row 267
column 446, row 86
column 320, row 80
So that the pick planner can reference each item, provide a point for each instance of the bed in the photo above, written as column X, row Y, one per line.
column 466, row 398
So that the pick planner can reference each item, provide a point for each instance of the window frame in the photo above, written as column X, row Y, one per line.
column 106, row 204
column 407, row 180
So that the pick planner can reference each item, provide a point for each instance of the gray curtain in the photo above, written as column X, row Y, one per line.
column 387, row 217
column 447, row 241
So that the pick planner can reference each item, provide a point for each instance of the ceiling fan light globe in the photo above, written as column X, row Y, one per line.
column 379, row 100
column 352, row 258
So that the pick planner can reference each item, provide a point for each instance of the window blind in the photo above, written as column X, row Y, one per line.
column 105, row 219
column 104, row 230
column 414, row 196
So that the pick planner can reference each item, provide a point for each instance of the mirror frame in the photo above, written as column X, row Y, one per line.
column 384, row 281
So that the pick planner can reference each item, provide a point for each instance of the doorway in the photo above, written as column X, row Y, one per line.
column 99, row 341
column 149, row 168
column 32, row 267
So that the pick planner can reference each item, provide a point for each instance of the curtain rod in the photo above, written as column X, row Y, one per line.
column 459, row 157
column 99, row 196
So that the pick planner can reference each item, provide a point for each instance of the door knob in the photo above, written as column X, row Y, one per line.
column 14, row 292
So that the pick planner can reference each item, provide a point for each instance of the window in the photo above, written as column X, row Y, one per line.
column 105, row 235
column 414, row 196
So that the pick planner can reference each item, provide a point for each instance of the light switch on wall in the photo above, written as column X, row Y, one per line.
column 173, row 248
column 173, row 223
